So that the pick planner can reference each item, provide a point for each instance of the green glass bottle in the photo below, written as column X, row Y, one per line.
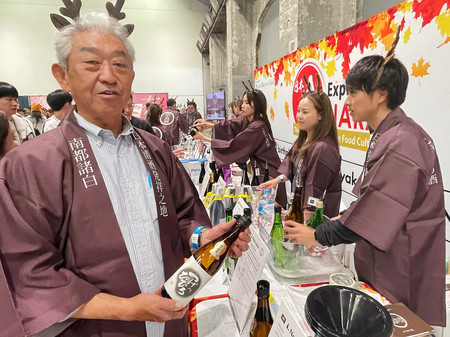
column 276, row 234
column 317, row 218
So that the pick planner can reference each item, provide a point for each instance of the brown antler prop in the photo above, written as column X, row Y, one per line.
column 115, row 12
column 245, row 86
column 389, row 56
column 308, row 85
column 71, row 10
column 318, row 84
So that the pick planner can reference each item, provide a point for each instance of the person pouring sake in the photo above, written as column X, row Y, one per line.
column 314, row 161
column 247, row 137
column 398, row 217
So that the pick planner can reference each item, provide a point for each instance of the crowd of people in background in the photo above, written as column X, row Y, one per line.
column 170, row 125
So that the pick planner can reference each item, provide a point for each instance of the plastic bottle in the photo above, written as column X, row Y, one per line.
column 265, row 210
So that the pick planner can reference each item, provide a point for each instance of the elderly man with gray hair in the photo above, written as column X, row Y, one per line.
column 88, row 250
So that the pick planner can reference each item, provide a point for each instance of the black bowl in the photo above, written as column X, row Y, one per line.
column 337, row 311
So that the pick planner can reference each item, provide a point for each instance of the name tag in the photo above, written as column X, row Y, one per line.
column 312, row 201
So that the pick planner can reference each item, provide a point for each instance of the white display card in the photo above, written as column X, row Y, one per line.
column 285, row 325
column 248, row 272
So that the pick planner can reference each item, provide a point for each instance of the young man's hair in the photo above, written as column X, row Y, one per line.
column 193, row 104
column 171, row 102
column 4, row 131
column 58, row 98
column 8, row 90
column 394, row 78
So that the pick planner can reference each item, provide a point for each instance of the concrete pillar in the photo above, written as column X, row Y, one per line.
column 218, row 61
column 240, row 46
column 306, row 21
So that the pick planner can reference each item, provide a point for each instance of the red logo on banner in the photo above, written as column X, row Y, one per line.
column 310, row 70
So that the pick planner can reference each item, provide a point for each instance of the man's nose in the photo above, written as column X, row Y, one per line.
column 107, row 73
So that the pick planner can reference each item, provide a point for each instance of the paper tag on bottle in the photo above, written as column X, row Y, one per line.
column 312, row 201
column 208, row 199
column 187, row 281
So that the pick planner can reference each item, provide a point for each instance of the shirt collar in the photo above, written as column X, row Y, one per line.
column 99, row 134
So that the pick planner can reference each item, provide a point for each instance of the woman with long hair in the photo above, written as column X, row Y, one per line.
column 247, row 137
column 153, row 117
column 314, row 161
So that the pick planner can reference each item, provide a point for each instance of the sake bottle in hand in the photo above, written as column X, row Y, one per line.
column 187, row 281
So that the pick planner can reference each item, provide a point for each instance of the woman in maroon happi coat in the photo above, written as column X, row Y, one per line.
column 247, row 137
column 314, row 161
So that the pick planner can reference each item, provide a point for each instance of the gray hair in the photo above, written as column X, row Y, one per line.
column 89, row 22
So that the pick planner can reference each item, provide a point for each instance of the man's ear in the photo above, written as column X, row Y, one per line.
column 383, row 96
column 59, row 73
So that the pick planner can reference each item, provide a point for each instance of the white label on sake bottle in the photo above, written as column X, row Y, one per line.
column 187, row 281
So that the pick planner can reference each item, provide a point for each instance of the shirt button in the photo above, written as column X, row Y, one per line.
column 134, row 217
column 143, row 251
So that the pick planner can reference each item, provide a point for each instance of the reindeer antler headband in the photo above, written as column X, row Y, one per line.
column 389, row 56
column 251, row 86
column 72, row 10
column 318, row 84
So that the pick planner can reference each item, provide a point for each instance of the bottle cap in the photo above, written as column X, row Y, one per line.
column 266, row 191
column 247, row 212
column 229, row 211
column 243, row 222
column 277, row 209
column 263, row 288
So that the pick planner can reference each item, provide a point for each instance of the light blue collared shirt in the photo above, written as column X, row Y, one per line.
column 133, row 201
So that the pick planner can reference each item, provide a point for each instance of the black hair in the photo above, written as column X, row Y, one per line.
column 394, row 78
column 258, row 101
column 4, row 131
column 58, row 98
column 171, row 102
column 8, row 90
column 192, row 103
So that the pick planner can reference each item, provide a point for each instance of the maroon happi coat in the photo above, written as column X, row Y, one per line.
column 318, row 171
column 400, row 214
column 231, row 144
column 60, row 242
column 174, row 121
